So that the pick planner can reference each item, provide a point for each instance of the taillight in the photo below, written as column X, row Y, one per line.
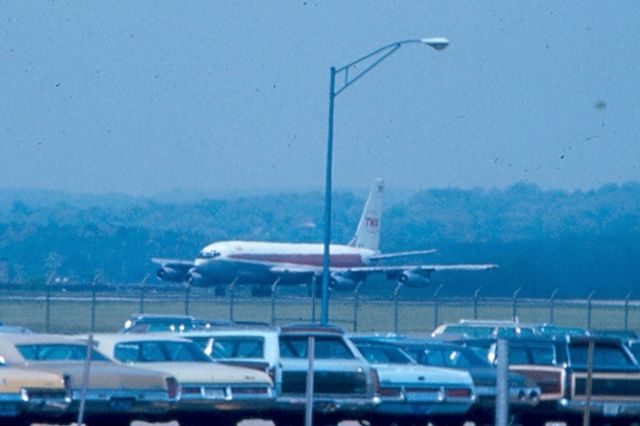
column 271, row 371
column 173, row 387
column 457, row 392
column 66, row 380
column 389, row 392
column 191, row 390
column 375, row 381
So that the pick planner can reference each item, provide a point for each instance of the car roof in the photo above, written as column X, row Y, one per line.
column 153, row 317
column 141, row 337
column 312, row 328
column 211, row 332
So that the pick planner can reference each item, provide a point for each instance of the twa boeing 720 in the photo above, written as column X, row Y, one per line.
column 262, row 263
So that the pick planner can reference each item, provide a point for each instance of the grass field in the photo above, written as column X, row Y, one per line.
column 74, row 313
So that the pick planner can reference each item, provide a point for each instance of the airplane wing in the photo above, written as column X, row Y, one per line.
column 409, row 275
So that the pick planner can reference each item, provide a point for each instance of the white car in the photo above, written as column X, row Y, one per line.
column 413, row 392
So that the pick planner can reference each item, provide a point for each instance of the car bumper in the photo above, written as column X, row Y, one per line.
column 230, row 398
column 128, row 403
column 328, row 404
column 609, row 408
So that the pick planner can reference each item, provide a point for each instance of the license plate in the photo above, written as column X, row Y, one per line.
column 215, row 393
column 120, row 404
column 8, row 409
column 611, row 409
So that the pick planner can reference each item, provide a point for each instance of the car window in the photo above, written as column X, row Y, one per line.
column 57, row 352
column 456, row 359
column 635, row 350
column 518, row 355
column 126, row 352
column 238, row 347
column 151, row 352
column 470, row 331
column 384, row 355
column 603, row 355
column 543, row 355
column 326, row 348
column 179, row 351
column 431, row 357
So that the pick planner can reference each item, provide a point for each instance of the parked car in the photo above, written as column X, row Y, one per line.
column 31, row 395
column 524, row 393
column 560, row 367
column 413, row 393
column 116, row 394
column 245, row 346
column 478, row 329
column 345, row 386
column 157, row 323
column 209, row 391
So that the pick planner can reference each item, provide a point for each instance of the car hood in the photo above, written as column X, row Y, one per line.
column 402, row 373
column 107, row 375
column 197, row 372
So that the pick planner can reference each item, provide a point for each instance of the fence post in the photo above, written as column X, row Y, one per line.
column 476, row 299
column 311, row 355
column 626, row 310
column 232, row 294
column 93, row 303
column 552, row 306
column 142, row 283
column 274, row 288
column 313, row 298
column 502, row 383
column 356, row 301
column 436, row 319
column 47, row 311
column 589, row 308
column 187, row 294
column 586, row 415
column 85, row 379
column 396, row 296
column 514, row 310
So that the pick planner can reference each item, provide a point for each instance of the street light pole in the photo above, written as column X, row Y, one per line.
column 380, row 54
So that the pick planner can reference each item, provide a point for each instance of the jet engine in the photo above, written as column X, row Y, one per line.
column 414, row 279
column 340, row 282
column 169, row 274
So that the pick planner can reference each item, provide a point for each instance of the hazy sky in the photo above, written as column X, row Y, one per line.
column 142, row 97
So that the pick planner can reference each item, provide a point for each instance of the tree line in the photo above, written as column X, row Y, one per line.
column 542, row 239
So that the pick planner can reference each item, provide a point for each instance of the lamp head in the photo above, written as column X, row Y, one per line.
column 438, row 43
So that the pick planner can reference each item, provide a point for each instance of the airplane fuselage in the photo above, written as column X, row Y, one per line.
column 254, row 261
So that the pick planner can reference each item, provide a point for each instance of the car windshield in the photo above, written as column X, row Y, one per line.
column 57, row 352
column 326, row 347
column 447, row 357
column 384, row 354
column 469, row 331
column 159, row 351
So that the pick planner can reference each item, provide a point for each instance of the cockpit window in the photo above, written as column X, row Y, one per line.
column 209, row 254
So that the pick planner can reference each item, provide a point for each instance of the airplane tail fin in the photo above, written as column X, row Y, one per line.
column 368, row 232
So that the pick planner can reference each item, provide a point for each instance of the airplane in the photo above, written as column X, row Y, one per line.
column 262, row 263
